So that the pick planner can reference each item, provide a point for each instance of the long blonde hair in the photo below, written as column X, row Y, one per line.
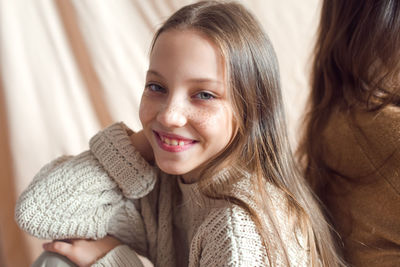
column 261, row 145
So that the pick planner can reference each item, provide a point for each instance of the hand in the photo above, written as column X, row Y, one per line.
column 83, row 252
column 140, row 142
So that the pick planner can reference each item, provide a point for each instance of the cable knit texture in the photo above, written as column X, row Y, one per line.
column 114, row 150
column 120, row 256
column 111, row 189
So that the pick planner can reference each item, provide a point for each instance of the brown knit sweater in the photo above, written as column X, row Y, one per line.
column 362, row 149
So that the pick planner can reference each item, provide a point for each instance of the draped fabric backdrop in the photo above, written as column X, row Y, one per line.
column 70, row 67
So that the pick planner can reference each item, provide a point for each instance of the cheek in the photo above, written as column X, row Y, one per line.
column 216, row 121
column 203, row 119
column 146, row 111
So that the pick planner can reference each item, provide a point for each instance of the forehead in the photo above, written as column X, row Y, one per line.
column 188, row 53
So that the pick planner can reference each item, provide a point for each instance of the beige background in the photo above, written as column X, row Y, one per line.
column 70, row 67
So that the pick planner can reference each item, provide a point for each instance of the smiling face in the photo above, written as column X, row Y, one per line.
column 185, row 111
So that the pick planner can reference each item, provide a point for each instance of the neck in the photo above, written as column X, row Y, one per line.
column 191, row 177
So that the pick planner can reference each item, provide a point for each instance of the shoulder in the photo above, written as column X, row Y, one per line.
column 382, row 124
column 360, row 142
column 381, row 127
column 229, row 237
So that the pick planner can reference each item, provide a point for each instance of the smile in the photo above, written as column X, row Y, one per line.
column 173, row 143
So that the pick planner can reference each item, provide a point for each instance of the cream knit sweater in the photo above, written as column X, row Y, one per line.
column 111, row 189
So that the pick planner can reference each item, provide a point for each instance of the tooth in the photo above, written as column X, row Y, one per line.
column 174, row 142
column 181, row 143
column 167, row 141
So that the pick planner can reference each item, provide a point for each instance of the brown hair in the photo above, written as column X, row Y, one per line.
column 356, row 64
column 260, row 147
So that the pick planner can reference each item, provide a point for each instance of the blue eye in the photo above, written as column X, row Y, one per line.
column 204, row 96
column 155, row 87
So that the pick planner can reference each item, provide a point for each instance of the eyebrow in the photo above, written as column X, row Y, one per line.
column 193, row 80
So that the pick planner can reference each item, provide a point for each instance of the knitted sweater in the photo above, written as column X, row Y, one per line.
column 362, row 150
column 111, row 189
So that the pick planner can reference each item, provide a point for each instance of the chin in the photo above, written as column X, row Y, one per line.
column 171, row 171
column 167, row 168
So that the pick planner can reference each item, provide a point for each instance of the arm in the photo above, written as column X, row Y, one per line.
column 80, row 197
column 64, row 195
column 119, row 256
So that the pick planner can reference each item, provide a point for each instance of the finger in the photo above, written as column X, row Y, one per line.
column 59, row 247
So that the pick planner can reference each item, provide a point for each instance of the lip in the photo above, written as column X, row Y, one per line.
column 188, row 143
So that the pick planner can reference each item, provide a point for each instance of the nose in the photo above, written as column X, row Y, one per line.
column 172, row 115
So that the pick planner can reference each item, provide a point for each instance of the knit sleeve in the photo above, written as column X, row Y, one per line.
column 121, row 256
column 114, row 150
column 90, row 195
column 228, row 237
column 70, row 197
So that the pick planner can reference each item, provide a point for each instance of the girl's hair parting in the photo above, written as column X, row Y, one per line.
column 356, row 64
column 260, row 146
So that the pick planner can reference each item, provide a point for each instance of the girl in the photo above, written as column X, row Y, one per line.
column 352, row 139
column 210, row 181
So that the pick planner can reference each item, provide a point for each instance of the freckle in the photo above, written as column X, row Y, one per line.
column 205, row 119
